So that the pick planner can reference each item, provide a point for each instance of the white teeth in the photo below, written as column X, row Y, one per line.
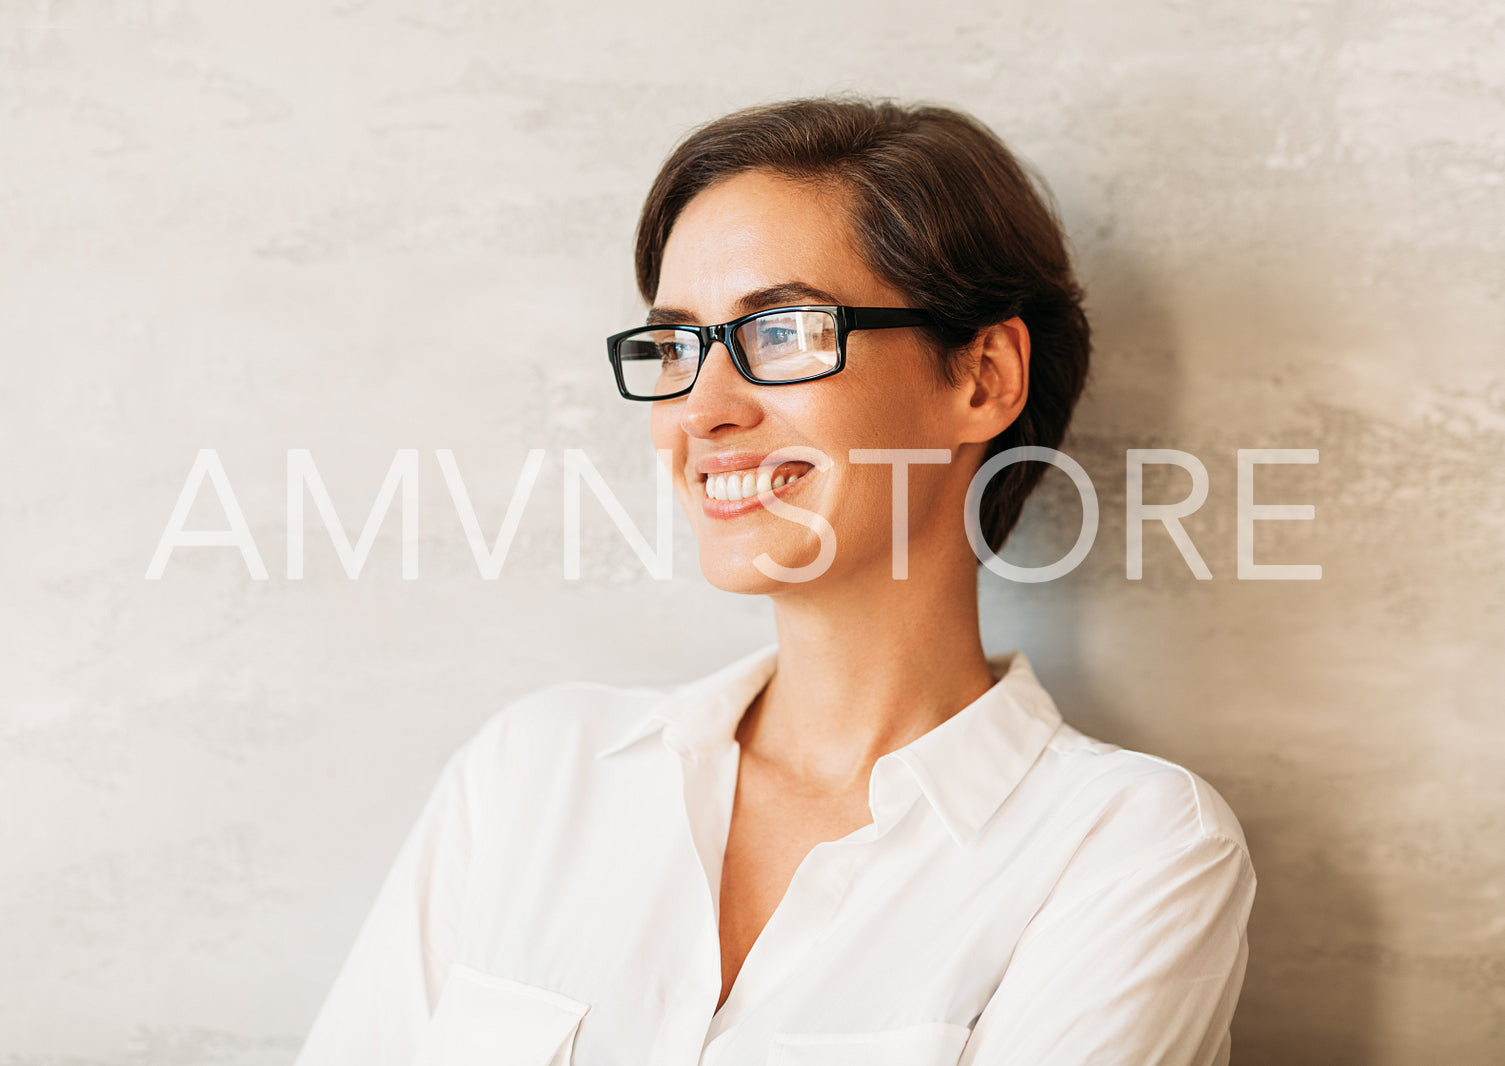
column 742, row 486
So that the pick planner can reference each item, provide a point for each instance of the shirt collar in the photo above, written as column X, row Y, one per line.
column 703, row 714
column 965, row 767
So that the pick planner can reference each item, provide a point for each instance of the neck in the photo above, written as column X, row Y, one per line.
column 866, row 668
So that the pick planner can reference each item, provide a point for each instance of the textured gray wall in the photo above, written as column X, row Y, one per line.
column 367, row 225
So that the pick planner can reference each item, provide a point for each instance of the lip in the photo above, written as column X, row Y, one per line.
column 720, row 464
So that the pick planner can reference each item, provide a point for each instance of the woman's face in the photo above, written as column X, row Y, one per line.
column 755, row 241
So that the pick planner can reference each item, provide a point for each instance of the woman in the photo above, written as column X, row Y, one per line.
column 868, row 843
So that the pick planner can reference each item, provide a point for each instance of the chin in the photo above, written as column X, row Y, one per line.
column 732, row 569
column 735, row 573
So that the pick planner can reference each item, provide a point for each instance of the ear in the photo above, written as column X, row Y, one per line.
column 997, row 381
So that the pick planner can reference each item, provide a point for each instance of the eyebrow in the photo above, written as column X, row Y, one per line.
column 788, row 292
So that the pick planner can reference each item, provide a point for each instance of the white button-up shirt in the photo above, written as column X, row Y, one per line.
column 1024, row 895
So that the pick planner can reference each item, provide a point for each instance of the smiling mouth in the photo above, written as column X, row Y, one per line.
column 746, row 484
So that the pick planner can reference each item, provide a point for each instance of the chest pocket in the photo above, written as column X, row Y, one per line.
column 927, row 1044
column 484, row 1020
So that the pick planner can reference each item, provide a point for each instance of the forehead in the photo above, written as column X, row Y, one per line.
column 757, row 230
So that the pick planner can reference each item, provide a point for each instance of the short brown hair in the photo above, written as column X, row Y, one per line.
column 945, row 213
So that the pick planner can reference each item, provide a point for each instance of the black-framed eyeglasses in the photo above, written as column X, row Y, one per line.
column 779, row 346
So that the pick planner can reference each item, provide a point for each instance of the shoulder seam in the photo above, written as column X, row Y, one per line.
column 1191, row 779
column 1196, row 793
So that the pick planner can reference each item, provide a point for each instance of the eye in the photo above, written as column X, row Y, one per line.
column 777, row 336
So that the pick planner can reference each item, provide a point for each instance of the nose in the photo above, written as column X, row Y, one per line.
column 721, row 397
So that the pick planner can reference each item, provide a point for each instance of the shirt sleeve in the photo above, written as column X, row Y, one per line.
column 380, row 1003
column 1145, row 969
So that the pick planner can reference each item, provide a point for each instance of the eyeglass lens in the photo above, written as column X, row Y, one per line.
column 781, row 346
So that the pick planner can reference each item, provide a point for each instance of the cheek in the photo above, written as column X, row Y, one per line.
column 663, row 428
column 902, row 411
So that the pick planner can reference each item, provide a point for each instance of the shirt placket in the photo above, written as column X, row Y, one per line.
column 802, row 917
column 710, row 782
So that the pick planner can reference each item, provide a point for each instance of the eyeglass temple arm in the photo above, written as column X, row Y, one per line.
column 887, row 317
